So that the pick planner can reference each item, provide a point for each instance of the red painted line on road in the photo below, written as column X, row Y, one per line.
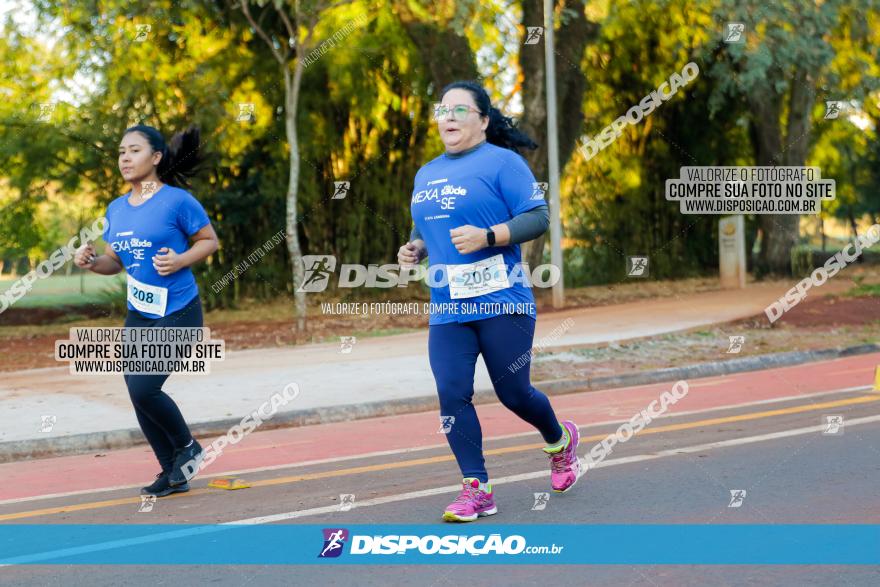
column 294, row 445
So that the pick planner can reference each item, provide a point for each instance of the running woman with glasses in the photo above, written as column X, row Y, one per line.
column 471, row 207
column 148, row 232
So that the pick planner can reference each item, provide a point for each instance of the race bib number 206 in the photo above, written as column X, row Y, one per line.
column 469, row 280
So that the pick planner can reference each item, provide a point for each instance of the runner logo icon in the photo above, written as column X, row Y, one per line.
column 637, row 266
column 539, row 188
column 47, row 423
column 833, row 424
column 533, row 35
column 340, row 189
column 541, row 500
column 735, row 32
column 737, row 496
column 318, row 268
column 736, row 344
column 334, row 540
column 446, row 423
column 147, row 503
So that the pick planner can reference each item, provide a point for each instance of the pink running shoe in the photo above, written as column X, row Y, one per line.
column 471, row 503
column 564, row 465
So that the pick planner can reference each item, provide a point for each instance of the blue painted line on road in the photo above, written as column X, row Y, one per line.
column 296, row 544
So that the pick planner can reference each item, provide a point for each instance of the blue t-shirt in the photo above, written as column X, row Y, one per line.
column 487, row 186
column 136, row 233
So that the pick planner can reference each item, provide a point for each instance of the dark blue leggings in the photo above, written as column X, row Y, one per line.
column 502, row 340
column 159, row 417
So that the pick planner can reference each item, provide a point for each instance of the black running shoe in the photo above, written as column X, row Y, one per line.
column 186, row 464
column 161, row 488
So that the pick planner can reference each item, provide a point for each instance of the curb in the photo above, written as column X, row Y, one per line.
column 127, row 438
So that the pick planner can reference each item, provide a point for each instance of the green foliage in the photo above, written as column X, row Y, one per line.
column 615, row 204
column 364, row 117
column 864, row 290
column 115, row 297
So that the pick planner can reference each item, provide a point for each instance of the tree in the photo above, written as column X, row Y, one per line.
column 573, row 33
column 442, row 46
column 789, row 52
column 290, row 47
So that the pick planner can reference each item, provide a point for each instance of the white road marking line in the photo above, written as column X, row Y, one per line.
column 398, row 451
column 543, row 473
column 416, row 494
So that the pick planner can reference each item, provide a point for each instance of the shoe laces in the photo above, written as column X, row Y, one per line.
column 468, row 493
column 559, row 461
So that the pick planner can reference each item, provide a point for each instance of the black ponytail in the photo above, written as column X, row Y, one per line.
column 180, row 157
column 501, row 130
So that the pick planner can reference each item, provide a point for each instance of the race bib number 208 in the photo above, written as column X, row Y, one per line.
column 150, row 299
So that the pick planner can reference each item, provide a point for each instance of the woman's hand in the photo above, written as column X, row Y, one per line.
column 468, row 239
column 85, row 256
column 168, row 262
column 410, row 254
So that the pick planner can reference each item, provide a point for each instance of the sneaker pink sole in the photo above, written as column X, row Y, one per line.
column 453, row 517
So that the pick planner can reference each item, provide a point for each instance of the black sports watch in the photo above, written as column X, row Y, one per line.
column 490, row 237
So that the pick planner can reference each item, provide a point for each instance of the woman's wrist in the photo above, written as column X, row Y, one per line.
column 105, row 265
column 186, row 258
column 502, row 234
column 421, row 248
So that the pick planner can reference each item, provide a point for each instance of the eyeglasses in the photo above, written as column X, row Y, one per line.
column 459, row 111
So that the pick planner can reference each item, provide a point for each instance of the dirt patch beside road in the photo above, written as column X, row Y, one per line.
column 814, row 324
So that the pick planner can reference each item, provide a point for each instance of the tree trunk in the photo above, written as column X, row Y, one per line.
column 571, row 39
column 852, row 222
column 780, row 231
column 767, row 139
column 534, row 117
column 855, row 230
column 445, row 53
column 291, row 98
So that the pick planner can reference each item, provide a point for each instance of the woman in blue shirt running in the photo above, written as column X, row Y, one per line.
column 148, row 233
column 471, row 207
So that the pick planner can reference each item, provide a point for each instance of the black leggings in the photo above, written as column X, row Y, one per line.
column 159, row 417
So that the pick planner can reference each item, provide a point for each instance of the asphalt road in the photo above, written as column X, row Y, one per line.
column 680, row 470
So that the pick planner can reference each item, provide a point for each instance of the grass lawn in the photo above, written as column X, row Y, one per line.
column 59, row 290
